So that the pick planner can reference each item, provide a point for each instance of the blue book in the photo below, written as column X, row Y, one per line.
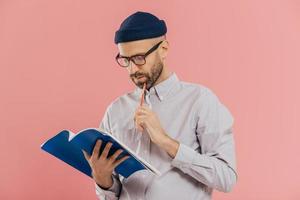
column 68, row 147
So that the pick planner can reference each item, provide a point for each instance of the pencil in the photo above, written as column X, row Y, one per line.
column 143, row 95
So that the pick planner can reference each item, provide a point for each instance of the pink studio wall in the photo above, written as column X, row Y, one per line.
column 58, row 71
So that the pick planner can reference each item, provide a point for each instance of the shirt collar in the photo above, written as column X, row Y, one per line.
column 163, row 88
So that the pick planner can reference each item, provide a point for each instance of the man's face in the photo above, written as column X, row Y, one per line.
column 151, row 70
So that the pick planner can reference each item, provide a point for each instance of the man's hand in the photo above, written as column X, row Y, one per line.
column 102, row 166
column 147, row 119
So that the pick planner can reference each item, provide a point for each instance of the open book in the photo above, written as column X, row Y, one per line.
column 68, row 147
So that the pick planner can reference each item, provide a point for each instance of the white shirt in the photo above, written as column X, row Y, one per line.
column 191, row 114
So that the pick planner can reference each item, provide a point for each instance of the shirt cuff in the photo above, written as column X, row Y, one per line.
column 185, row 158
column 112, row 191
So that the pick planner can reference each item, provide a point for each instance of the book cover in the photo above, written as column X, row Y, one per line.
column 68, row 147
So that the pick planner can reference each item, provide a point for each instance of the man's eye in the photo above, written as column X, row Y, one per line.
column 139, row 59
column 123, row 61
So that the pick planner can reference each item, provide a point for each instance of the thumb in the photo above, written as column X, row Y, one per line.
column 86, row 155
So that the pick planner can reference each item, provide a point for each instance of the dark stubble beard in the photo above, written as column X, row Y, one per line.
column 150, row 78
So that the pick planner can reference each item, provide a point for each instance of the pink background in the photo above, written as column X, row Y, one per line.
column 58, row 71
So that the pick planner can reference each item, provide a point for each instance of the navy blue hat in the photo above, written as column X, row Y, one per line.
column 139, row 26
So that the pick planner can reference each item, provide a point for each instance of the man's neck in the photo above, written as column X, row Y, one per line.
column 163, row 76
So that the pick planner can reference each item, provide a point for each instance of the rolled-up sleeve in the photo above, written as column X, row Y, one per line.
column 213, row 163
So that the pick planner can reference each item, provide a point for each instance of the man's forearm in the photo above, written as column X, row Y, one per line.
column 170, row 145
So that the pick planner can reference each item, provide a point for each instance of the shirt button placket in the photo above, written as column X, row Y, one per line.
column 148, row 100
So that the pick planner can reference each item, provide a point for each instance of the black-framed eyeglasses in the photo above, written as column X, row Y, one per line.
column 138, row 59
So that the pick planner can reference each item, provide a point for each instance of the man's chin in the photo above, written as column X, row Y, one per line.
column 140, row 84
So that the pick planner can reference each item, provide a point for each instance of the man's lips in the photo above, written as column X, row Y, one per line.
column 139, row 77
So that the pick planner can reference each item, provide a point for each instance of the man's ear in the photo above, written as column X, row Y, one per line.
column 164, row 49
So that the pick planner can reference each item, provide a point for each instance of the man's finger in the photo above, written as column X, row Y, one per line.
column 86, row 155
column 106, row 150
column 139, row 126
column 141, row 112
column 97, row 149
column 115, row 155
column 141, row 120
column 144, row 107
column 117, row 162
column 141, row 117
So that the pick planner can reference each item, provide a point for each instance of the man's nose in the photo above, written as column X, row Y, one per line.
column 132, row 67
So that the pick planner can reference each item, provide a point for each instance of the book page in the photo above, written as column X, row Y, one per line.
column 71, row 135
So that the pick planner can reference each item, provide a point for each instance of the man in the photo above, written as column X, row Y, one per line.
column 182, row 128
